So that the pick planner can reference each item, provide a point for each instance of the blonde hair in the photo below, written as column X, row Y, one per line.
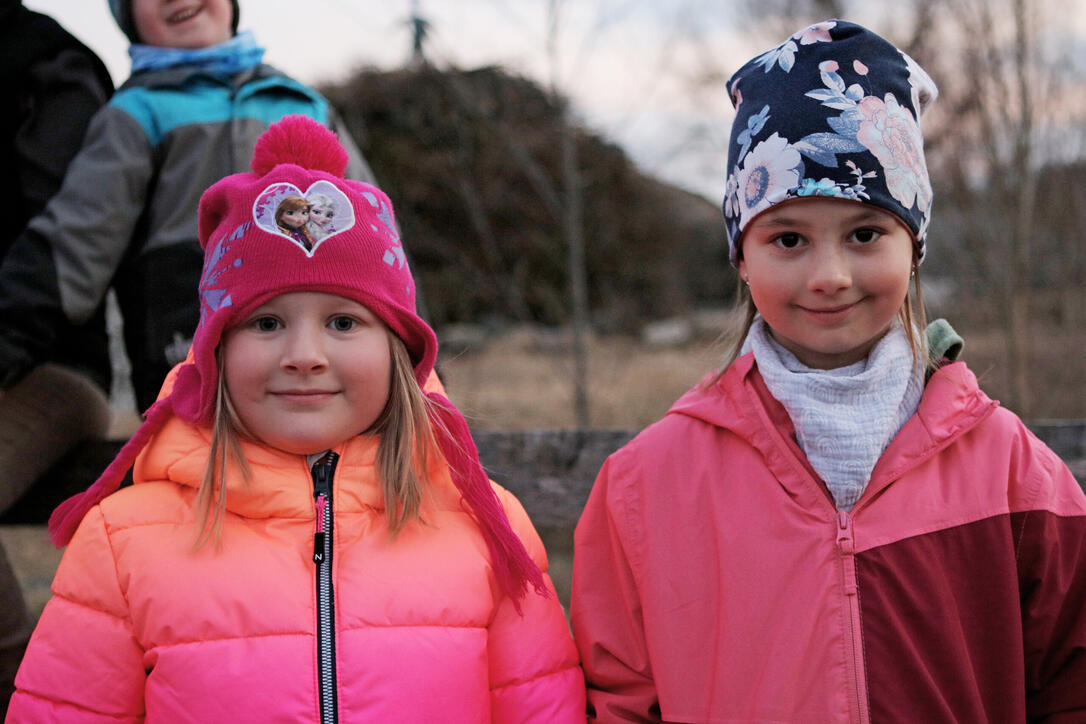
column 406, row 441
column 912, row 314
column 224, row 452
column 403, row 450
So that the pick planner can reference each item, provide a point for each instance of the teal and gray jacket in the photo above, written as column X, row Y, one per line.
column 126, row 214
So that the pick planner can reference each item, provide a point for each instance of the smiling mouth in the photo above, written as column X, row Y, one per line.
column 183, row 15
column 303, row 396
column 829, row 314
column 828, row 310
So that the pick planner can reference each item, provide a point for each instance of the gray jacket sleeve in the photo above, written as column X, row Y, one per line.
column 61, row 266
column 66, row 95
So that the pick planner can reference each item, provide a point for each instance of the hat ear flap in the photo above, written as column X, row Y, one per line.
column 214, row 206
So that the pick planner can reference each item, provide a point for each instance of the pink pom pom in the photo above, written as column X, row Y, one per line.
column 301, row 141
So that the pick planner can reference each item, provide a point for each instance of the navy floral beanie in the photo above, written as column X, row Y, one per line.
column 834, row 111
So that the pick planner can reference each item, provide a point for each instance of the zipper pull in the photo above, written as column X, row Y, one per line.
column 846, row 543
column 844, row 532
column 319, row 536
column 322, row 472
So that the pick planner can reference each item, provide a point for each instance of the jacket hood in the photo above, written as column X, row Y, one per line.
column 739, row 402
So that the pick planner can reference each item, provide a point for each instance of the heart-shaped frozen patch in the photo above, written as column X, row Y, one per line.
column 306, row 218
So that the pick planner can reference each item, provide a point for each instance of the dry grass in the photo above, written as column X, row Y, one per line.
column 519, row 381
column 522, row 380
column 1057, row 369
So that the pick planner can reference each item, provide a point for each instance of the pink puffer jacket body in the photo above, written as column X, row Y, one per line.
column 142, row 627
column 715, row 581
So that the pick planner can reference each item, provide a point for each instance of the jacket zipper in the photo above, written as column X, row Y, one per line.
column 857, row 669
column 323, row 471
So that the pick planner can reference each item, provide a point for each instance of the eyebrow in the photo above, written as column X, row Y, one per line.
column 859, row 217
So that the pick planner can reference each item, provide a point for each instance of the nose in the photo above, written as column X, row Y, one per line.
column 304, row 351
column 830, row 272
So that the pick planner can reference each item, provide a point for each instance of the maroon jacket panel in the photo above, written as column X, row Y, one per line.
column 947, row 643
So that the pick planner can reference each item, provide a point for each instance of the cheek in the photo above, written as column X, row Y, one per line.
column 243, row 368
column 893, row 276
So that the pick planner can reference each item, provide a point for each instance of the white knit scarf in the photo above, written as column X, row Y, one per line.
column 844, row 417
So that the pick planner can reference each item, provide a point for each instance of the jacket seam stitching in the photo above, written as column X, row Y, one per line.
column 116, row 571
column 532, row 679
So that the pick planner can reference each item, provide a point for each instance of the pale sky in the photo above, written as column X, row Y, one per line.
column 626, row 64
column 631, row 67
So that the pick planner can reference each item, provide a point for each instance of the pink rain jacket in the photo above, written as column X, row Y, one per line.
column 141, row 628
column 715, row 582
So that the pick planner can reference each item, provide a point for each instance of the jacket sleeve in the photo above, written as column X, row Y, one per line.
column 66, row 92
column 606, row 608
column 63, row 263
column 1051, row 542
column 83, row 663
column 534, row 673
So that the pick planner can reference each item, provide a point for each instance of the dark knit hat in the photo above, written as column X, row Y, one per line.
column 251, row 257
column 122, row 13
column 833, row 111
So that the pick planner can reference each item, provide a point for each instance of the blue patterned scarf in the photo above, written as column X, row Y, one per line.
column 235, row 55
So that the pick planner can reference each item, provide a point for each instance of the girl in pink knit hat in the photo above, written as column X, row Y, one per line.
column 310, row 535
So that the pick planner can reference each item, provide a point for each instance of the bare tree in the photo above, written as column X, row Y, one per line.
column 989, row 130
column 572, row 226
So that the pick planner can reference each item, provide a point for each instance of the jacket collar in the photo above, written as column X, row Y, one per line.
column 739, row 402
column 281, row 485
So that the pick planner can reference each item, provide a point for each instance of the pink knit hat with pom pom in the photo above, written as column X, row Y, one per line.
column 252, row 255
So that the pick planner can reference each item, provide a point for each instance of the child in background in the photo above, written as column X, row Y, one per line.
column 310, row 535
column 196, row 101
column 835, row 527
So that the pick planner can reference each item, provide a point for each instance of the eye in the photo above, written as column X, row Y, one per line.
column 788, row 240
column 265, row 324
column 865, row 235
column 343, row 323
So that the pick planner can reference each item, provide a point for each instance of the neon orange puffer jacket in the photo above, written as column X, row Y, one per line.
column 142, row 627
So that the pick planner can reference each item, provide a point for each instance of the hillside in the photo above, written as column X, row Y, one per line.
column 472, row 162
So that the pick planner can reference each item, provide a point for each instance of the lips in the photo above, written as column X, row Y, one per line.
column 829, row 314
column 829, row 310
column 303, row 397
column 183, row 15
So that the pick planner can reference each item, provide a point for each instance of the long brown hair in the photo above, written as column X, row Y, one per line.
column 913, row 316
column 403, row 450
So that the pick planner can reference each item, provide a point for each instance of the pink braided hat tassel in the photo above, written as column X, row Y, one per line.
column 512, row 565
column 66, row 518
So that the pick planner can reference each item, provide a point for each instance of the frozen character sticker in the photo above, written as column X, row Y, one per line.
column 322, row 215
column 292, row 217
column 305, row 217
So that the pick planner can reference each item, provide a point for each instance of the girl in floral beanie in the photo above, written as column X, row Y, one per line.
column 310, row 535
column 837, row 526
